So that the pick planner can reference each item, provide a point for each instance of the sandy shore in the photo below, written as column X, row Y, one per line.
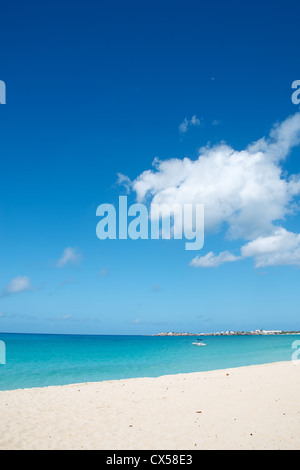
column 255, row 407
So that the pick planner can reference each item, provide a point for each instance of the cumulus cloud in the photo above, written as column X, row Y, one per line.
column 245, row 192
column 70, row 256
column 187, row 123
column 280, row 248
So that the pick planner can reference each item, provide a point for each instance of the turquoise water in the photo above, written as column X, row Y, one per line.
column 42, row 360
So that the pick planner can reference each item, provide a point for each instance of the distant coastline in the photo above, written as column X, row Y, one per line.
column 231, row 333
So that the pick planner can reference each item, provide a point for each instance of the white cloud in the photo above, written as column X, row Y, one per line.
column 66, row 317
column 187, row 123
column 212, row 261
column 69, row 256
column 61, row 318
column 123, row 180
column 18, row 284
column 246, row 191
column 280, row 248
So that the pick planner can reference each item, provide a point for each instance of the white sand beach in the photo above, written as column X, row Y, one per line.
column 256, row 407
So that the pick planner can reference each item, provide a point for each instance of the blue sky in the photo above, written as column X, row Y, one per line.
column 97, row 89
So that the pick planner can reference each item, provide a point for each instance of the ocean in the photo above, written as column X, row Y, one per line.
column 35, row 360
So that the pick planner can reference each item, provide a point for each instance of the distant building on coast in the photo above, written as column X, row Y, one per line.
column 230, row 333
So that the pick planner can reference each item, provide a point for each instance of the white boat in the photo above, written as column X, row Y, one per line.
column 199, row 342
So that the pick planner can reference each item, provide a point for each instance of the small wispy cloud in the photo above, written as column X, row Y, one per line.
column 70, row 256
column 103, row 272
column 138, row 321
column 16, row 285
column 60, row 318
column 124, row 181
column 212, row 261
column 66, row 317
column 187, row 123
column 72, row 319
column 65, row 282
column 18, row 316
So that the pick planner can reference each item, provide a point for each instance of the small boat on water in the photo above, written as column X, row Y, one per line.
column 199, row 342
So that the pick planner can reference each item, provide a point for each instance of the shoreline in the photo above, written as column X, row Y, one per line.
column 148, row 377
column 248, row 407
